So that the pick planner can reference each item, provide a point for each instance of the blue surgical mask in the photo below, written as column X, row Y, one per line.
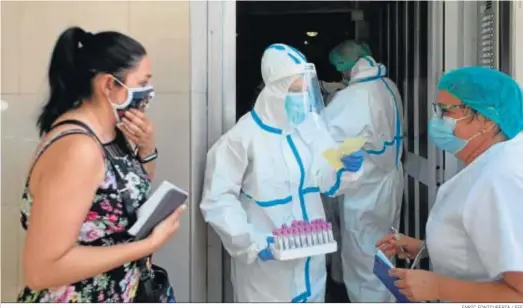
column 294, row 108
column 441, row 131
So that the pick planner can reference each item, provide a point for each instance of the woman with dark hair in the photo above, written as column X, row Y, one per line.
column 88, row 177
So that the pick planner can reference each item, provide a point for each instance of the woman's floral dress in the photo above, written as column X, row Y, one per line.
column 105, row 225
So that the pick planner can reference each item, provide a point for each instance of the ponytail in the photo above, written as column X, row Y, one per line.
column 63, row 75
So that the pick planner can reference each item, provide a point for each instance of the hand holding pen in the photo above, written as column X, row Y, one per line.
column 402, row 254
column 396, row 244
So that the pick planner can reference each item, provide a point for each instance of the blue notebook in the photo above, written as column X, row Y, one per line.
column 382, row 265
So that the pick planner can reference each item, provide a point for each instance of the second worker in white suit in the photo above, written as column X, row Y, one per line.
column 369, row 107
column 267, row 171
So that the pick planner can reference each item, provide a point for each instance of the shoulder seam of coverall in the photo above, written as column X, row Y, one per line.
column 366, row 128
column 238, row 156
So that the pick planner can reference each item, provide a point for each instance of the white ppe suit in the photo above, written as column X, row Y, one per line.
column 330, row 89
column 262, row 174
column 369, row 107
column 332, row 206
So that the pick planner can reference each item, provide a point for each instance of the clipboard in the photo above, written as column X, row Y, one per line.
column 382, row 265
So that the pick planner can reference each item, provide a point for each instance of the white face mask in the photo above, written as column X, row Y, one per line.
column 137, row 98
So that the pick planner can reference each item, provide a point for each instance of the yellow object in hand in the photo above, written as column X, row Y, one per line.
column 349, row 146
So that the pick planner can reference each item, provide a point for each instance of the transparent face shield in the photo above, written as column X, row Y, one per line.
column 304, row 100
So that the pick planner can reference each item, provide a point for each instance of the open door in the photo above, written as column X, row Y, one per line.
column 422, row 63
column 412, row 46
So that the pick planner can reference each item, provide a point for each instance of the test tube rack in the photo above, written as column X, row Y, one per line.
column 303, row 239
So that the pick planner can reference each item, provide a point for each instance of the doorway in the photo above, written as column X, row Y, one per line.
column 313, row 27
column 400, row 40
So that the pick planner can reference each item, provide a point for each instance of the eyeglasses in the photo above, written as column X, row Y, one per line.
column 439, row 109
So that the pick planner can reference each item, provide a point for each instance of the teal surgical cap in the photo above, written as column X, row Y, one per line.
column 346, row 54
column 489, row 92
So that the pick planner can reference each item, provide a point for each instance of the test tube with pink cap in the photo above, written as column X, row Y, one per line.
column 277, row 238
column 329, row 230
column 314, row 238
column 320, row 234
column 303, row 236
column 317, row 234
column 290, row 236
column 308, row 238
column 325, row 232
column 285, row 239
column 296, row 237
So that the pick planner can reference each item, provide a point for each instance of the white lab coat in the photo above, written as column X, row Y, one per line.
column 369, row 107
column 262, row 174
column 475, row 230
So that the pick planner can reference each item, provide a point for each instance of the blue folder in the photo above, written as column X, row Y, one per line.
column 382, row 265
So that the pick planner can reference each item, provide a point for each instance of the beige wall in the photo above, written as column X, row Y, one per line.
column 29, row 31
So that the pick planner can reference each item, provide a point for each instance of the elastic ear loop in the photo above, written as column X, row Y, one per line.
column 482, row 131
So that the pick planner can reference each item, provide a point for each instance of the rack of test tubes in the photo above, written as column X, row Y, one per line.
column 303, row 239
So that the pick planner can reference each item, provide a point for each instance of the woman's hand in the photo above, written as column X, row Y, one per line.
column 167, row 228
column 137, row 127
column 404, row 247
column 417, row 285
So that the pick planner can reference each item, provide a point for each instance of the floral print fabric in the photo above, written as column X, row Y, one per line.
column 105, row 225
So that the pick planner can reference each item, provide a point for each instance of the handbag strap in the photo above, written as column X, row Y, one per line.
column 124, row 194
column 122, row 191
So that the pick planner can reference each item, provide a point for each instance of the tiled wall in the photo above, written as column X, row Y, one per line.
column 29, row 31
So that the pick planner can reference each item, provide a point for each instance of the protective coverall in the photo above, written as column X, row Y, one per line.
column 264, row 173
column 342, row 57
column 369, row 107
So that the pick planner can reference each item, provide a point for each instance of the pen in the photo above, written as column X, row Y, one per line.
column 397, row 238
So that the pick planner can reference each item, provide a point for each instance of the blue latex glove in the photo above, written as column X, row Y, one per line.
column 353, row 162
column 266, row 253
